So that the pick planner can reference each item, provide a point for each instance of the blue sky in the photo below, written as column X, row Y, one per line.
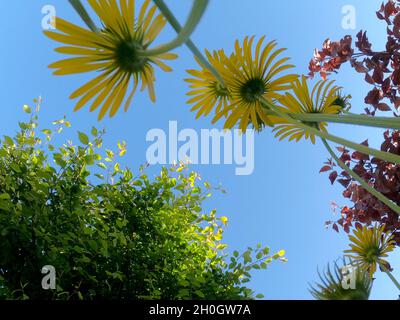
column 285, row 202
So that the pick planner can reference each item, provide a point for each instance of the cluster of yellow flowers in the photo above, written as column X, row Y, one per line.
column 249, row 73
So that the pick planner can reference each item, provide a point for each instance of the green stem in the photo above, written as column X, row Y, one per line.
column 189, row 43
column 361, row 148
column 362, row 120
column 390, row 275
column 80, row 9
column 361, row 181
column 348, row 112
column 198, row 9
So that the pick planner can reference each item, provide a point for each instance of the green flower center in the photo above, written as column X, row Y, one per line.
column 339, row 101
column 220, row 90
column 372, row 255
column 128, row 58
column 342, row 102
column 252, row 90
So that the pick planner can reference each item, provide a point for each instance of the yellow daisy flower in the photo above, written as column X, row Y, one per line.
column 369, row 246
column 250, row 76
column 207, row 91
column 114, row 52
column 324, row 98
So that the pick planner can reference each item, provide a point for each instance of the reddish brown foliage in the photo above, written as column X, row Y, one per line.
column 383, row 176
column 382, row 71
column 381, row 68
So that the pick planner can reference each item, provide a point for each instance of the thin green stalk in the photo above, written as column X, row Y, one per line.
column 189, row 43
column 390, row 275
column 361, row 120
column 198, row 9
column 80, row 9
column 361, row 148
column 361, row 181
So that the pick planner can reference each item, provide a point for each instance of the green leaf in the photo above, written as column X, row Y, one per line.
column 85, row 259
column 278, row 255
column 5, row 206
column 101, row 165
column 27, row 109
column 184, row 283
column 83, row 138
column 110, row 154
column 61, row 121
column 95, row 132
column 89, row 160
column 247, row 257
column 266, row 250
column 47, row 132
column 15, row 167
column 137, row 183
column 4, row 196
column 183, row 293
column 59, row 160
column 8, row 141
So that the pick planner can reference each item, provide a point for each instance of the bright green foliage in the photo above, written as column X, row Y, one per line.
column 109, row 234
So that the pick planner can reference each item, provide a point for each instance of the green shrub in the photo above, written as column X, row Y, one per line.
column 109, row 235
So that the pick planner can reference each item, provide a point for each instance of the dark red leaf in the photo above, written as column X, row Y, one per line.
column 325, row 169
column 383, row 107
column 333, row 176
column 369, row 79
column 373, row 97
column 344, row 182
column 377, row 75
column 345, row 157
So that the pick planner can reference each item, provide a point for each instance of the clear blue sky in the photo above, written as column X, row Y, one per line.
column 285, row 202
